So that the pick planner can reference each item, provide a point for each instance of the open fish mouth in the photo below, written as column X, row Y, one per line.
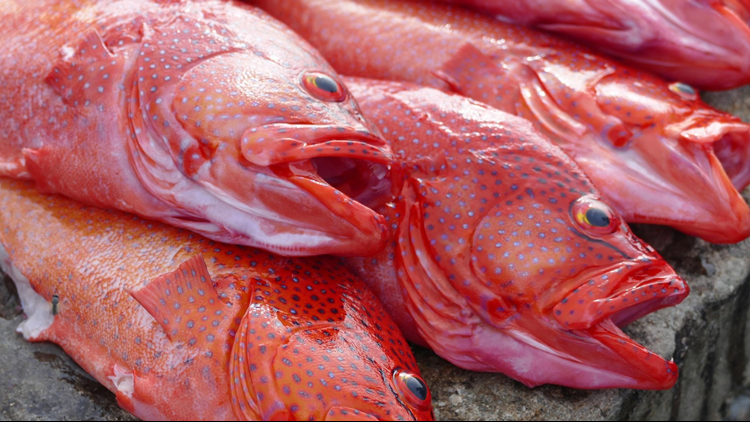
column 696, row 166
column 347, row 172
column 601, row 312
column 733, row 150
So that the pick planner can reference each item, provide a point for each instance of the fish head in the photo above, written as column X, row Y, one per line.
column 549, row 268
column 268, row 130
column 676, row 153
column 565, row 269
column 318, row 345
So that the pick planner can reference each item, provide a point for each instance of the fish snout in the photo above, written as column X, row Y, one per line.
column 640, row 293
column 717, row 168
column 680, row 173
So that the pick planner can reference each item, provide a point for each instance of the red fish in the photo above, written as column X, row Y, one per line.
column 704, row 43
column 646, row 144
column 504, row 257
column 183, row 328
column 207, row 115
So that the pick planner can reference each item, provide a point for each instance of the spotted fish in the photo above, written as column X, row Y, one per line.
column 704, row 43
column 504, row 257
column 649, row 146
column 207, row 115
column 183, row 328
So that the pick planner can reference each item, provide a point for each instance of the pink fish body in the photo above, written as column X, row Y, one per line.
column 650, row 147
column 207, row 115
column 704, row 43
column 504, row 258
column 183, row 328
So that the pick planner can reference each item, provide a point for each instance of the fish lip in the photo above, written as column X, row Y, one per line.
column 300, row 142
column 647, row 369
column 338, row 413
column 637, row 292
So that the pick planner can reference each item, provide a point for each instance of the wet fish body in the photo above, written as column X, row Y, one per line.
column 702, row 43
column 207, row 115
column 650, row 147
column 503, row 257
column 183, row 328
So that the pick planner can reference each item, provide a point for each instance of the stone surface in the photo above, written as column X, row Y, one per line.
column 708, row 335
column 39, row 382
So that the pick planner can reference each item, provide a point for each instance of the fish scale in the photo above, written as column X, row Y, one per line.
column 649, row 145
column 142, row 106
column 170, row 321
column 503, row 257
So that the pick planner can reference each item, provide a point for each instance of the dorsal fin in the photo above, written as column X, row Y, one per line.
column 185, row 303
column 87, row 72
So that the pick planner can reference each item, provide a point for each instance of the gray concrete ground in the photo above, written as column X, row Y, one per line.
column 709, row 337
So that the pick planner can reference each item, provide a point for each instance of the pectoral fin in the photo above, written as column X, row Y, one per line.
column 86, row 73
column 14, row 168
column 185, row 304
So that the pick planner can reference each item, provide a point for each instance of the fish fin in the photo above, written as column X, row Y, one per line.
column 242, row 388
column 184, row 302
column 123, row 381
column 14, row 168
column 86, row 72
column 467, row 64
column 38, row 162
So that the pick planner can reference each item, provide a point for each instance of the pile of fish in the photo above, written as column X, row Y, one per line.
column 173, row 170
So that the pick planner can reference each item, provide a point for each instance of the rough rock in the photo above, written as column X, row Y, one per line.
column 708, row 335
column 39, row 382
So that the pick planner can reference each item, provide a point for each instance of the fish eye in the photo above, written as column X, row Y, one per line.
column 324, row 87
column 685, row 91
column 594, row 217
column 412, row 389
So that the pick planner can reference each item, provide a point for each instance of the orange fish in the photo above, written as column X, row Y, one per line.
column 504, row 257
column 207, row 115
column 704, row 43
column 648, row 145
column 182, row 328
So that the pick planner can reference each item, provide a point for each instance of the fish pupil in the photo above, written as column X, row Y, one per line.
column 597, row 217
column 326, row 84
column 417, row 387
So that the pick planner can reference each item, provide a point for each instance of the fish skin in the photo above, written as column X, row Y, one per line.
column 646, row 144
column 174, row 360
column 703, row 43
column 117, row 104
column 489, row 264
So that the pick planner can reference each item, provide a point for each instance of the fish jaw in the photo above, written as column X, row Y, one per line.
column 616, row 361
column 290, row 209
